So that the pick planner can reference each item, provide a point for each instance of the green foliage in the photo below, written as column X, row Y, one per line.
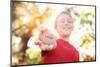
column 84, row 19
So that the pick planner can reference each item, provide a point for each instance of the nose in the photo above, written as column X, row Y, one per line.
column 66, row 23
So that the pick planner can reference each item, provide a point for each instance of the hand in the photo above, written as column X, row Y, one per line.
column 46, row 41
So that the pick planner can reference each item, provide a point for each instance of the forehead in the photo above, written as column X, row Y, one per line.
column 64, row 16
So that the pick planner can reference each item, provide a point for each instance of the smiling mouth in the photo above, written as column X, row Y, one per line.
column 66, row 29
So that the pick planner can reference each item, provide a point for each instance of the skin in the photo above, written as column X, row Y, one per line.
column 64, row 26
column 47, row 40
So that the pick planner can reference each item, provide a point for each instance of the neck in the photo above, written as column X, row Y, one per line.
column 65, row 38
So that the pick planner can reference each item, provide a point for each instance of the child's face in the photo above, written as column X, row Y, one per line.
column 64, row 25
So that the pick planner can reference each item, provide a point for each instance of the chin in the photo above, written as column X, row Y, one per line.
column 65, row 34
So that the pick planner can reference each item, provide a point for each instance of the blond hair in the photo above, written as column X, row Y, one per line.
column 66, row 13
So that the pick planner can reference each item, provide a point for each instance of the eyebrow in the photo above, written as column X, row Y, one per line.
column 66, row 18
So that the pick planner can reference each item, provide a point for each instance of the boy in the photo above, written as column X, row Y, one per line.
column 58, row 50
column 64, row 51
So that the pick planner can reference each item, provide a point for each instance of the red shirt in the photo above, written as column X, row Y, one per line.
column 64, row 52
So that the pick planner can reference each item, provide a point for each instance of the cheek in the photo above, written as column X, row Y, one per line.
column 59, row 27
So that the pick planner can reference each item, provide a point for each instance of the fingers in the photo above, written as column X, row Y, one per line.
column 38, row 42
